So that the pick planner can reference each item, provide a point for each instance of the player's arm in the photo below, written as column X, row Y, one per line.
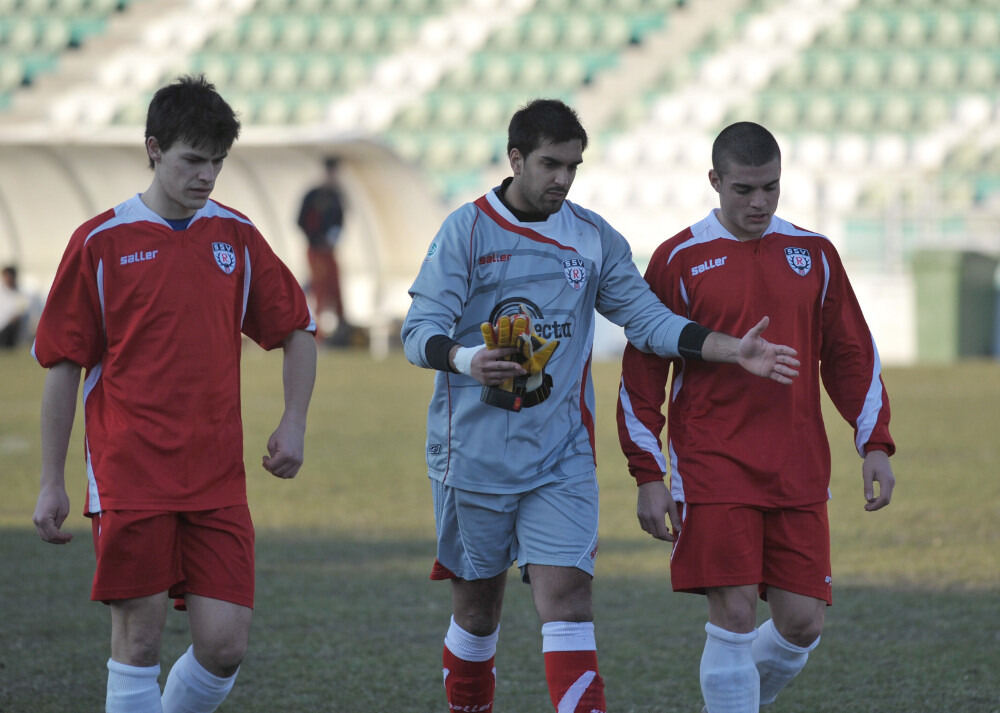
column 753, row 353
column 852, row 375
column 286, row 446
column 58, row 413
column 640, row 423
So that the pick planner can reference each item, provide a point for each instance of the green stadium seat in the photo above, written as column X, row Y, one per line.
column 318, row 73
column 910, row 31
column 904, row 71
column 295, row 32
column 330, row 34
column 11, row 71
column 865, row 71
column 896, row 112
column 979, row 71
column 858, row 112
column 946, row 30
column 984, row 30
column 941, row 70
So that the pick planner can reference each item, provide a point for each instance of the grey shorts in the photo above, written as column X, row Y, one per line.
column 480, row 535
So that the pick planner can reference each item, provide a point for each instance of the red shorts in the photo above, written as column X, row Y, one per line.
column 209, row 553
column 733, row 545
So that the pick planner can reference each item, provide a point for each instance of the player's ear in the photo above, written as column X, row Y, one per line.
column 516, row 160
column 715, row 179
column 153, row 149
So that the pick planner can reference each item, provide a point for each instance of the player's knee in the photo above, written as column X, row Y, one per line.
column 222, row 657
column 138, row 651
column 478, row 622
column 733, row 608
column 802, row 632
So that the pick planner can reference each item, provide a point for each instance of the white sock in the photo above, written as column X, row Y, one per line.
column 568, row 636
column 470, row 647
column 729, row 680
column 778, row 661
column 132, row 689
column 192, row 689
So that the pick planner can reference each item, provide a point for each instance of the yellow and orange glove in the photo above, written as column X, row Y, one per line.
column 533, row 353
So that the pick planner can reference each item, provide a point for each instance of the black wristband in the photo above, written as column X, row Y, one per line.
column 691, row 340
column 438, row 350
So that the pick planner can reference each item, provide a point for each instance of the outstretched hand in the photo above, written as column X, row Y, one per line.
column 761, row 357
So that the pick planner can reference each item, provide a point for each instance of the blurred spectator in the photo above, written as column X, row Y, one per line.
column 13, row 310
column 321, row 218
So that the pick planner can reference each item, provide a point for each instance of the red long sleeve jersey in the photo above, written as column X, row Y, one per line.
column 155, row 316
column 735, row 437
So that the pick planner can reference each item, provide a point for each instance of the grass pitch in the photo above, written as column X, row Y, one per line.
column 347, row 620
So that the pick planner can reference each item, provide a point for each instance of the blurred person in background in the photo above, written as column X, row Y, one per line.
column 152, row 298
column 503, row 310
column 321, row 218
column 749, row 459
column 14, row 306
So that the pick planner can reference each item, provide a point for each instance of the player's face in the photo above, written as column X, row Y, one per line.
column 748, row 197
column 543, row 177
column 183, row 178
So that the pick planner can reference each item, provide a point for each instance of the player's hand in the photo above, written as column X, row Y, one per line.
column 492, row 365
column 285, row 449
column 51, row 512
column 657, row 511
column 877, row 469
column 761, row 357
column 531, row 352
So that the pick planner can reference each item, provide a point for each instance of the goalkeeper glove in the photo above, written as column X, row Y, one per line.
column 532, row 353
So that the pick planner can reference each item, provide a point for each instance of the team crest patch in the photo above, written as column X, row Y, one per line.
column 799, row 260
column 225, row 257
column 576, row 273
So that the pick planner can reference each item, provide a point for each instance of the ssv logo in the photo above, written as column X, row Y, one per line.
column 225, row 257
column 799, row 260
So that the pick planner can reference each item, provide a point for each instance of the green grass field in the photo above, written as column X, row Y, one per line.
column 347, row 620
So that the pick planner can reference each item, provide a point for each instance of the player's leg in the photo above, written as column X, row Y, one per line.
column 562, row 596
column 470, row 644
column 134, row 666
column 785, row 641
column 218, row 589
column 719, row 553
column 205, row 674
column 798, row 590
column 729, row 679
column 557, row 545
column 475, row 534
column 135, row 568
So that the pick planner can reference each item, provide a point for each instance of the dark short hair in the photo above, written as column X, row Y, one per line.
column 540, row 120
column 331, row 162
column 744, row 143
column 191, row 110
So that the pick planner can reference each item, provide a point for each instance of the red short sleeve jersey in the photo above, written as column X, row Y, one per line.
column 155, row 315
column 735, row 437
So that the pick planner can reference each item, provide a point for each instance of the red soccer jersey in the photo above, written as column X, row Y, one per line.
column 155, row 316
column 735, row 437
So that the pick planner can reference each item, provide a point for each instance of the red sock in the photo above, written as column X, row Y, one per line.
column 469, row 685
column 574, row 683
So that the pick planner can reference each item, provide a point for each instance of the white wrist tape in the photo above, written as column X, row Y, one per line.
column 463, row 359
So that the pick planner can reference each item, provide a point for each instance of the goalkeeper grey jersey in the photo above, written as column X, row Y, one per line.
column 485, row 263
